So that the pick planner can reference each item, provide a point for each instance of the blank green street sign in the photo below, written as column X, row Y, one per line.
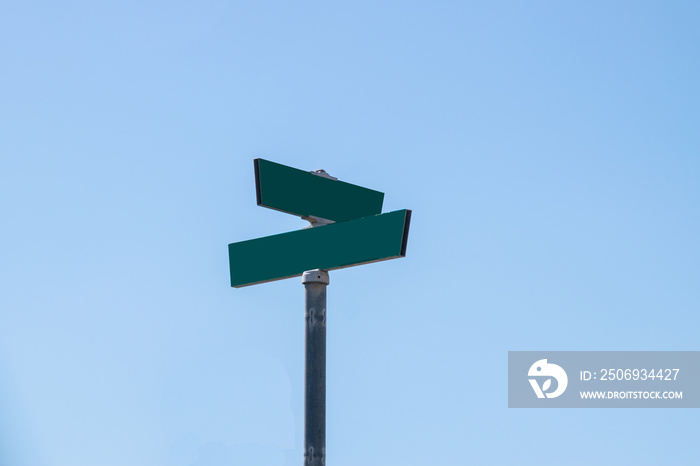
column 303, row 193
column 335, row 246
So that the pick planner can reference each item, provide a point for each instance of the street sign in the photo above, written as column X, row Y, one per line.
column 329, row 247
column 347, row 228
column 305, row 194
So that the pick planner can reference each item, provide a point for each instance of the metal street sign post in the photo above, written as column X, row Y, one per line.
column 348, row 229
column 315, row 282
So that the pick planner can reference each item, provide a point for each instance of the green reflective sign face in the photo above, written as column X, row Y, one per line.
column 329, row 247
column 302, row 193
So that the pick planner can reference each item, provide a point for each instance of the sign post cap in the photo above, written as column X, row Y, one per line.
column 316, row 276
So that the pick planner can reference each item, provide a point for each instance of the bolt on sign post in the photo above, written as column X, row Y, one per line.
column 348, row 229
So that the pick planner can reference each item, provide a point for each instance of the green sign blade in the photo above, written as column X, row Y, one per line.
column 303, row 193
column 330, row 247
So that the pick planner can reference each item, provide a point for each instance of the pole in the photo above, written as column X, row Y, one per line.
column 315, row 282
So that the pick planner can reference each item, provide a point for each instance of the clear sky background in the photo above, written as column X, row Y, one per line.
column 550, row 152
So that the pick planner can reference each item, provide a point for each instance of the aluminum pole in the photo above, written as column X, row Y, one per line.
column 315, row 282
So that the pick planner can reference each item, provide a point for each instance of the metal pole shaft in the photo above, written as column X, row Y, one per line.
column 315, row 282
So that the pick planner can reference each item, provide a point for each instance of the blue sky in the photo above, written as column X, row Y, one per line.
column 549, row 152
